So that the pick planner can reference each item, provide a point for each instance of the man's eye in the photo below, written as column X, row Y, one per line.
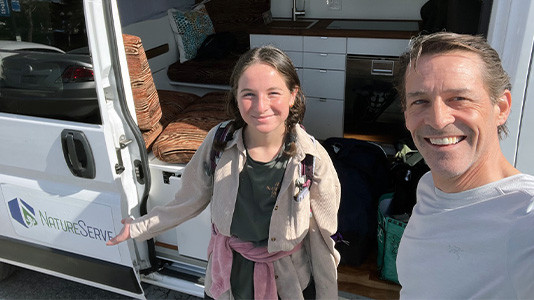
column 417, row 102
column 459, row 98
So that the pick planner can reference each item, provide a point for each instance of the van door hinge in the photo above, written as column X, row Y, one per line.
column 123, row 143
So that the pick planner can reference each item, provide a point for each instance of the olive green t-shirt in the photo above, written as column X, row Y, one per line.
column 259, row 184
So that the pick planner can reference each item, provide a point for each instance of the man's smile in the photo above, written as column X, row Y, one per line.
column 445, row 141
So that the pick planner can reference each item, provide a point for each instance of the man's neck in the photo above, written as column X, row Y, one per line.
column 477, row 176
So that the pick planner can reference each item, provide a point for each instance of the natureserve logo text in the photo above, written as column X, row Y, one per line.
column 24, row 214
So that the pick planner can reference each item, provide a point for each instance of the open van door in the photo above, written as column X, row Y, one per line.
column 70, row 166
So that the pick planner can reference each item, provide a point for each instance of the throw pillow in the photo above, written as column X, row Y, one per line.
column 190, row 29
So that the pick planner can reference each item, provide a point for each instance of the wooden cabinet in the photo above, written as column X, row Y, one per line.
column 320, row 63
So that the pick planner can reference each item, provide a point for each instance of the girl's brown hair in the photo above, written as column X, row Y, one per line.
column 279, row 61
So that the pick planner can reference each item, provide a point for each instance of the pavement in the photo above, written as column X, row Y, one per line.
column 28, row 284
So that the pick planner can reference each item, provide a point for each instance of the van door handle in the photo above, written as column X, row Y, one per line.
column 78, row 154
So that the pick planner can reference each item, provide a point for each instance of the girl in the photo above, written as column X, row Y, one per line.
column 271, row 229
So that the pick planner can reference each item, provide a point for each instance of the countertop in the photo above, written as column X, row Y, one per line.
column 320, row 29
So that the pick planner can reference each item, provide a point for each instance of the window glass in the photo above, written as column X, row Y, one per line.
column 45, row 64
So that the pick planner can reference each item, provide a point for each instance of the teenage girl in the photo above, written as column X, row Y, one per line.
column 271, row 221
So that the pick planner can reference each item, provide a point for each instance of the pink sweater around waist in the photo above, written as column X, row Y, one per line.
column 220, row 248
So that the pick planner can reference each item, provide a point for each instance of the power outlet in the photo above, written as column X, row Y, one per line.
column 333, row 4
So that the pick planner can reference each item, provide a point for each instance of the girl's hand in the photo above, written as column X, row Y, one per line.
column 123, row 235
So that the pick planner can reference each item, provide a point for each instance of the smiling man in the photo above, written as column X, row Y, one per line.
column 471, row 232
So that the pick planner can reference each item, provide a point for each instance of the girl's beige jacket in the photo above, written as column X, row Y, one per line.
column 311, row 221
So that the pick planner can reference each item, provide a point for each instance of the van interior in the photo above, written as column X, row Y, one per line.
column 179, row 98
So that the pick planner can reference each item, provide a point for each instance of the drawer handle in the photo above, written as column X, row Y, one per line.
column 324, row 54
column 322, row 71
column 383, row 67
column 324, row 38
column 322, row 99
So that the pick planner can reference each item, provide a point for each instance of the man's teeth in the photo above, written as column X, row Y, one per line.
column 445, row 141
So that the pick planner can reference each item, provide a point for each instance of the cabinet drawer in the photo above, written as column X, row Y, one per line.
column 324, row 61
column 370, row 46
column 283, row 42
column 323, row 83
column 324, row 117
column 325, row 44
column 296, row 58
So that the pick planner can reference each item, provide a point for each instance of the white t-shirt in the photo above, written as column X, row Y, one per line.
column 473, row 244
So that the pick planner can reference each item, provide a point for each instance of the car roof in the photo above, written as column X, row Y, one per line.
column 15, row 45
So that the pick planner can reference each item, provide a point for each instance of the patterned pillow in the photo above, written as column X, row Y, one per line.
column 190, row 29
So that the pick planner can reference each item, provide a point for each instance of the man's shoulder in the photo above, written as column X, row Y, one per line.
column 520, row 182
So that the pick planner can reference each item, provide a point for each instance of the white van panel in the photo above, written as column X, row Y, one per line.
column 511, row 33
column 75, row 223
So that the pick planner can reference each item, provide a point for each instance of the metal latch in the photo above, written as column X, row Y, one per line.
column 167, row 175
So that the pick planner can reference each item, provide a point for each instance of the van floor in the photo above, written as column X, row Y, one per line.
column 363, row 281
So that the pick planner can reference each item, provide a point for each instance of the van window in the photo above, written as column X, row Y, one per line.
column 45, row 65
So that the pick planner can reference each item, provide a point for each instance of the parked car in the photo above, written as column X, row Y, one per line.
column 46, row 81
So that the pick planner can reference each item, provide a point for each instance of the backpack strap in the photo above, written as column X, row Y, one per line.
column 308, row 165
column 223, row 134
column 306, row 169
column 305, row 180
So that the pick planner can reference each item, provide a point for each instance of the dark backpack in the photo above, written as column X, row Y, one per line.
column 363, row 171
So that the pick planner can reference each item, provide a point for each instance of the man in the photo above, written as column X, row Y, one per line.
column 471, row 233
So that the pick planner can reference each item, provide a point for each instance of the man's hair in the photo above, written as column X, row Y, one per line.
column 279, row 61
column 495, row 79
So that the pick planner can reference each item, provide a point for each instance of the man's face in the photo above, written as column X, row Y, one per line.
column 451, row 116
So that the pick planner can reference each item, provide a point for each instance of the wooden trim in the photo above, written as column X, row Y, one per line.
column 168, row 246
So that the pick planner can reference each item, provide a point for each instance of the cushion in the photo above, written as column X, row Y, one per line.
column 146, row 101
column 173, row 103
column 207, row 71
column 213, row 101
column 151, row 135
column 190, row 29
column 181, row 138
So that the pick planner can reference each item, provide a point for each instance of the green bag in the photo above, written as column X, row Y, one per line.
column 389, row 234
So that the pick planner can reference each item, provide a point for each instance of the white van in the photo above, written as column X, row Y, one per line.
column 73, row 161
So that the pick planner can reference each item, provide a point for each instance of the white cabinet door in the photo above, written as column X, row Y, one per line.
column 284, row 42
column 324, row 83
column 296, row 58
column 324, row 61
column 324, row 117
column 325, row 44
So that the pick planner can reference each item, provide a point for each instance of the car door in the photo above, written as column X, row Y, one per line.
column 70, row 166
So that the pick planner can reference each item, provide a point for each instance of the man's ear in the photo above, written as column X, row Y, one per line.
column 503, row 107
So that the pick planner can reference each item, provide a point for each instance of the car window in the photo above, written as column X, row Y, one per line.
column 45, row 65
